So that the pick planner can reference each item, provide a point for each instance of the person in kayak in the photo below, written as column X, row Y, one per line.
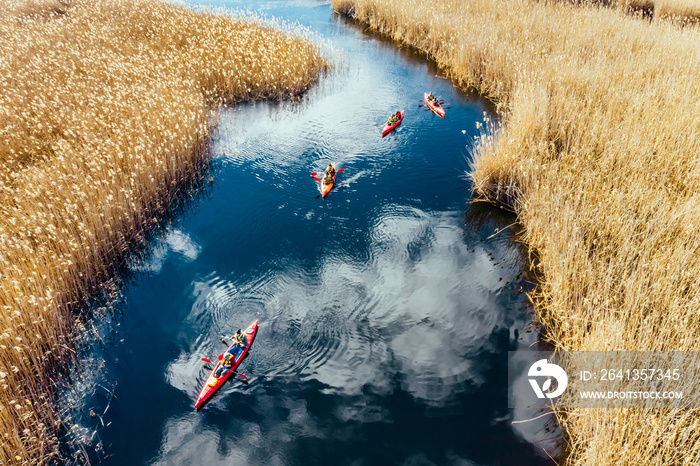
column 394, row 118
column 432, row 98
column 330, row 171
column 226, row 363
column 239, row 344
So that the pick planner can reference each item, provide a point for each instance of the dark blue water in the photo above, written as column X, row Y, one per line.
column 386, row 311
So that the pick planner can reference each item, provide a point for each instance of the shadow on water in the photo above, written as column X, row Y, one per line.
column 386, row 311
column 539, row 427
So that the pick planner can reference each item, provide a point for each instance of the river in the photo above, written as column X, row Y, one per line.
column 386, row 311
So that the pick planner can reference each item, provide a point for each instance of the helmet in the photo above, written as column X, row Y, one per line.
column 227, row 356
column 238, row 332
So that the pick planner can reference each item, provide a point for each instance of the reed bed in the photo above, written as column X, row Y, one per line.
column 598, row 155
column 684, row 12
column 105, row 114
column 679, row 12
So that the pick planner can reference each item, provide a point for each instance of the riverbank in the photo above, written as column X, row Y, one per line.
column 597, row 156
column 104, row 122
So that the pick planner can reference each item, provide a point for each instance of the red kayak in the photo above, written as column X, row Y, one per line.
column 388, row 128
column 326, row 187
column 435, row 106
column 213, row 384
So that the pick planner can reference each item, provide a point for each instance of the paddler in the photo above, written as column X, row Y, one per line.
column 238, row 344
column 431, row 97
column 226, row 364
column 330, row 171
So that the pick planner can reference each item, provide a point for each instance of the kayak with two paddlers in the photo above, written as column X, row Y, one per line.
column 328, row 181
column 394, row 121
column 228, row 363
column 434, row 104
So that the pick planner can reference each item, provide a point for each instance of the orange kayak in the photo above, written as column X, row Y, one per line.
column 388, row 128
column 435, row 107
column 326, row 187
column 213, row 384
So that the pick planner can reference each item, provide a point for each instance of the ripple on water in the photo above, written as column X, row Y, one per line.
column 417, row 314
column 212, row 299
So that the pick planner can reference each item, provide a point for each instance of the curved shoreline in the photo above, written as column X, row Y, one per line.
column 596, row 157
column 104, row 118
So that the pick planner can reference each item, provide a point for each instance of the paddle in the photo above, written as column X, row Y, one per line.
column 222, row 338
column 237, row 373
column 314, row 174
column 443, row 105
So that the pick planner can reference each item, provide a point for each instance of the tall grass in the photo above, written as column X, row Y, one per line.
column 679, row 11
column 598, row 155
column 104, row 117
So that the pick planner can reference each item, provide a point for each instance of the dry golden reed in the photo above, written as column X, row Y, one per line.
column 599, row 156
column 680, row 12
column 104, row 117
